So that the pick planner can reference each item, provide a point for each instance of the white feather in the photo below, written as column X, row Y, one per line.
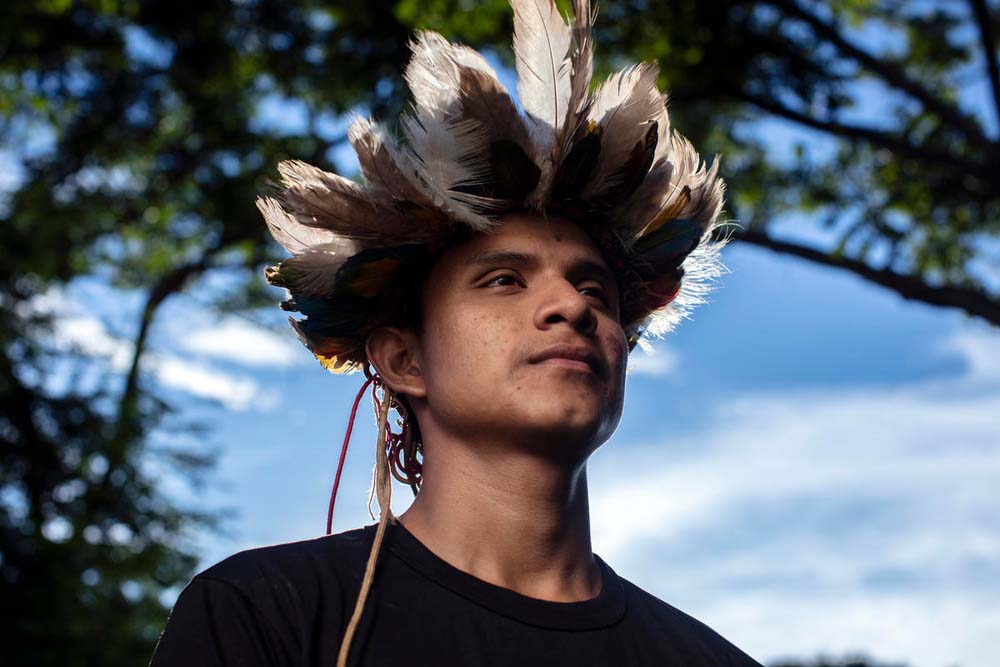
column 289, row 232
column 379, row 158
column 541, row 50
column 582, row 67
column 583, row 52
column 581, row 72
column 706, row 188
column 662, row 129
column 445, row 155
column 296, row 173
column 433, row 72
column 320, row 198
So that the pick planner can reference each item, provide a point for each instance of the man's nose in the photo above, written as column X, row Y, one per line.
column 564, row 303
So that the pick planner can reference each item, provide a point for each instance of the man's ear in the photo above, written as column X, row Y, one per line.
column 396, row 356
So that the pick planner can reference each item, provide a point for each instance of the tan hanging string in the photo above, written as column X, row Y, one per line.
column 383, row 492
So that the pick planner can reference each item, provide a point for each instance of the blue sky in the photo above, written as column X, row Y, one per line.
column 809, row 465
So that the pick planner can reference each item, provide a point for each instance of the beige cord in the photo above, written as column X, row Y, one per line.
column 383, row 487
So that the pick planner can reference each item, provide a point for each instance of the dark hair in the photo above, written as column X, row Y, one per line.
column 408, row 292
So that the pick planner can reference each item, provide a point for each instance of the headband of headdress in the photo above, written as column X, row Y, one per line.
column 607, row 160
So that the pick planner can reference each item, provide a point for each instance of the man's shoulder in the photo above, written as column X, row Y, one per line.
column 252, row 607
column 684, row 629
column 340, row 555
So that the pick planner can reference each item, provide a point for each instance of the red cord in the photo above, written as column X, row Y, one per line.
column 343, row 455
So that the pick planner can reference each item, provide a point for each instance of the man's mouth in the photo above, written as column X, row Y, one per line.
column 569, row 356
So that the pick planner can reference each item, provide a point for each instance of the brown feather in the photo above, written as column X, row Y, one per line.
column 378, row 157
column 321, row 199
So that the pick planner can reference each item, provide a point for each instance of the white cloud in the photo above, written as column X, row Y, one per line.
column 827, row 520
column 980, row 351
column 939, row 630
column 661, row 361
column 75, row 327
column 236, row 392
column 241, row 341
column 91, row 337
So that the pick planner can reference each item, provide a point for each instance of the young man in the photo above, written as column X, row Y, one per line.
column 491, row 278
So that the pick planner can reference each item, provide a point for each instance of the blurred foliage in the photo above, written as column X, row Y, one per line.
column 138, row 132
column 134, row 137
column 87, row 542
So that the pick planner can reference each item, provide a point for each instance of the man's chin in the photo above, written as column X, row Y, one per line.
column 570, row 437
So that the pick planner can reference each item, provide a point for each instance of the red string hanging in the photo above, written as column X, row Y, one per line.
column 343, row 454
column 409, row 472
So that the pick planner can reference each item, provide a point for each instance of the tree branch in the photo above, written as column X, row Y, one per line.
column 168, row 284
column 975, row 302
column 891, row 73
column 982, row 14
column 875, row 137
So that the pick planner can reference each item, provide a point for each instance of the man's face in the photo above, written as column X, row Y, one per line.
column 522, row 340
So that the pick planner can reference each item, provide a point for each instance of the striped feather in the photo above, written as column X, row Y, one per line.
column 450, row 158
column 695, row 193
column 329, row 201
column 542, row 42
column 288, row 231
column 581, row 70
column 624, row 106
column 433, row 74
column 312, row 273
column 378, row 156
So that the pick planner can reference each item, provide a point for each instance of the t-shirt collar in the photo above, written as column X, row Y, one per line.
column 604, row 610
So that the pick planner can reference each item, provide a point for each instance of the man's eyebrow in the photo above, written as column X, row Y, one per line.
column 589, row 267
column 580, row 266
column 502, row 257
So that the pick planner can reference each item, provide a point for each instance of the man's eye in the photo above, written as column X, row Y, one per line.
column 510, row 280
column 597, row 292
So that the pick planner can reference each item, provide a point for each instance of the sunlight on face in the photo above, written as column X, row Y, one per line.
column 522, row 340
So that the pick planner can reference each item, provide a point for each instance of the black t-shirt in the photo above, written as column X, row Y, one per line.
column 289, row 604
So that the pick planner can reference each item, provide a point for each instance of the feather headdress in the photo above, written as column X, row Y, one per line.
column 607, row 159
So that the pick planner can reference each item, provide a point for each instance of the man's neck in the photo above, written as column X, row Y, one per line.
column 523, row 525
